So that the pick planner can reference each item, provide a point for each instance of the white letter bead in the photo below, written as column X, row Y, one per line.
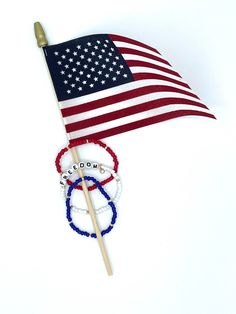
column 64, row 176
column 94, row 165
column 70, row 171
column 81, row 165
column 88, row 164
column 75, row 167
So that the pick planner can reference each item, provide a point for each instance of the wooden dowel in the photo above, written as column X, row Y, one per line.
column 42, row 42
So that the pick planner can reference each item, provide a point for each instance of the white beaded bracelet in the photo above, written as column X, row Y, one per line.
column 102, row 169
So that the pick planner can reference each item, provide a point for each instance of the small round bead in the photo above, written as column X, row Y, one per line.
column 102, row 170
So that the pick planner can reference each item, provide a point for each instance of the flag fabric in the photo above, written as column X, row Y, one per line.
column 110, row 84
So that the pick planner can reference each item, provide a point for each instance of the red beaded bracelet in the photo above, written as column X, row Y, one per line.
column 81, row 142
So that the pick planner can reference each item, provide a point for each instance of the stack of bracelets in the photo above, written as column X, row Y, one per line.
column 67, row 185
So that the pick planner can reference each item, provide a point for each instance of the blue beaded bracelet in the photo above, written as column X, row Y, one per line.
column 103, row 192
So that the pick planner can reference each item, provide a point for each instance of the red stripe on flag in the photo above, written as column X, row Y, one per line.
column 135, row 63
column 121, row 97
column 131, row 51
column 153, row 104
column 151, row 76
column 143, row 123
column 132, row 41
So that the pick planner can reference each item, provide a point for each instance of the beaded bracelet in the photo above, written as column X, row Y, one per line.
column 82, row 142
column 68, row 208
column 102, row 169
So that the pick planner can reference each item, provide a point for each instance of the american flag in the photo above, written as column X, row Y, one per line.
column 109, row 84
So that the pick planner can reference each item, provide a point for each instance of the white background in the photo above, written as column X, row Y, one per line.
column 173, row 248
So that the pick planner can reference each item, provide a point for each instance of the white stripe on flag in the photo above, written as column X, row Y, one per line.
column 110, row 92
column 121, row 44
column 135, row 69
column 128, row 57
column 132, row 118
column 126, row 104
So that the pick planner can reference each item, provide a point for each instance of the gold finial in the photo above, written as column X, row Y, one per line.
column 40, row 35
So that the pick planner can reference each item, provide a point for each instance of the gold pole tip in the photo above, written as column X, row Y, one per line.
column 40, row 35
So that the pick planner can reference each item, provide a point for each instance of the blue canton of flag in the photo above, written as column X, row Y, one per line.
column 86, row 65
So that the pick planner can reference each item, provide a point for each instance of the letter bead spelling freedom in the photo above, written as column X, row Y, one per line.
column 69, row 171
column 94, row 165
column 62, row 183
column 75, row 167
column 65, row 176
column 81, row 165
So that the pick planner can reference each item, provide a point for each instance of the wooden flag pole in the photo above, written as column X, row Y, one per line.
column 42, row 42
